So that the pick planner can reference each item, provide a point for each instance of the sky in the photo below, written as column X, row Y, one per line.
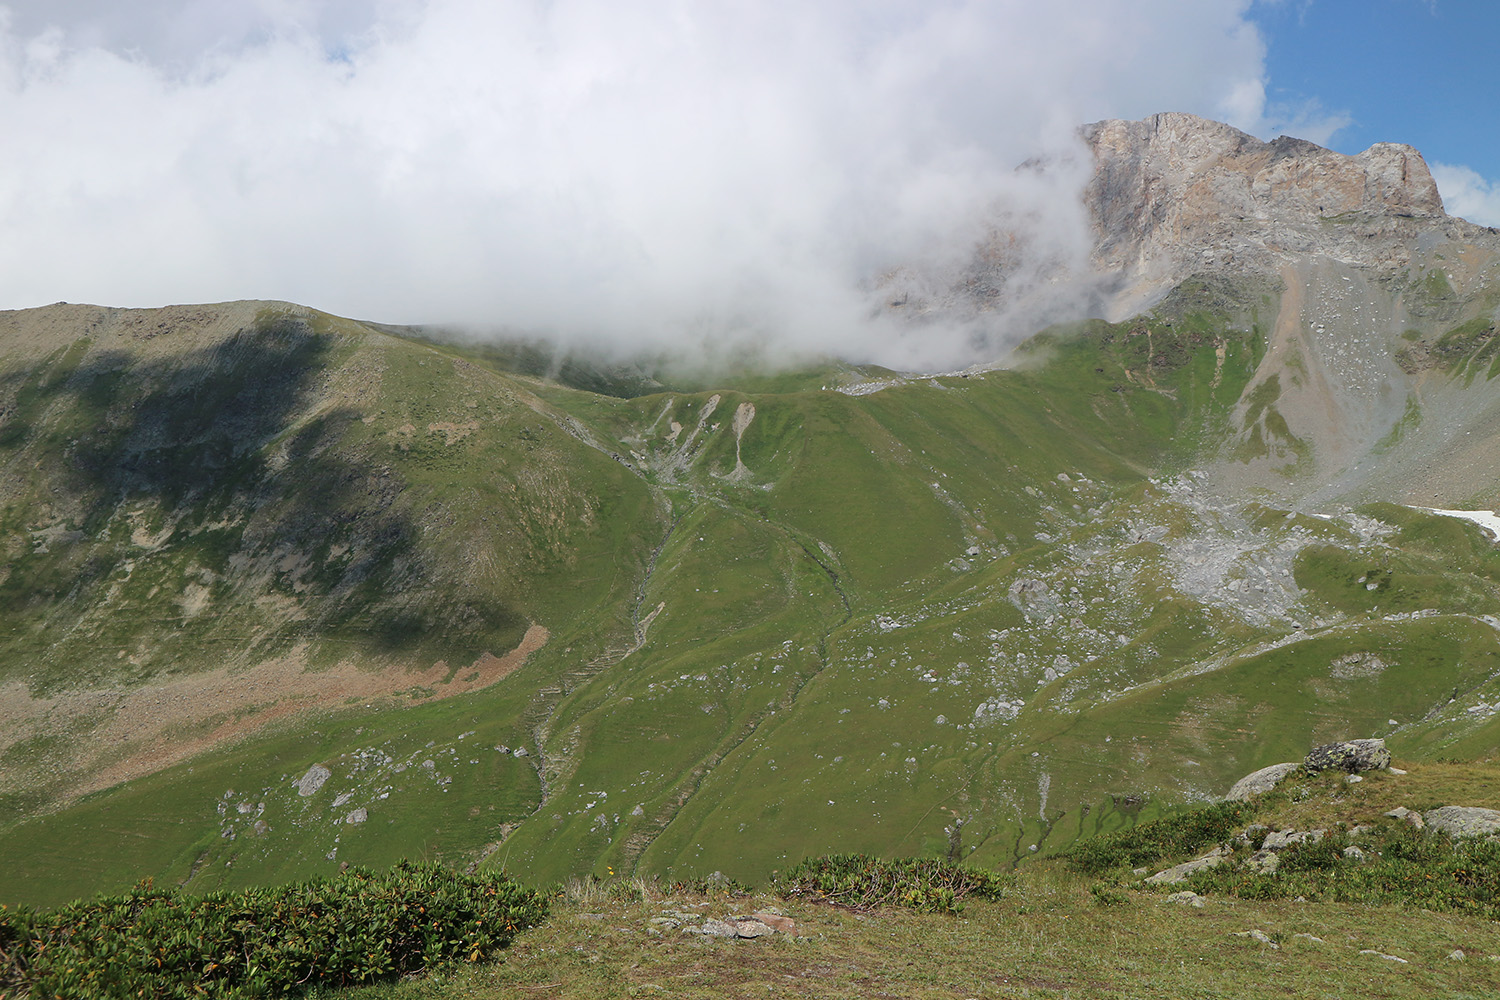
column 653, row 173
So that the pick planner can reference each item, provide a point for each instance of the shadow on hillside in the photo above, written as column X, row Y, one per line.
column 222, row 454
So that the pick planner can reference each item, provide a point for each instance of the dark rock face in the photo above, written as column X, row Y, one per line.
column 1352, row 756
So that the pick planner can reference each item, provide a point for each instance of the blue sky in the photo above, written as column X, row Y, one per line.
column 635, row 169
column 1408, row 71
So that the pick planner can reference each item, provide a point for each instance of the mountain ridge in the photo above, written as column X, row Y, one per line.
column 1046, row 599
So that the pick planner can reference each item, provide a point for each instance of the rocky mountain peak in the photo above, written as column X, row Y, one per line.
column 1175, row 193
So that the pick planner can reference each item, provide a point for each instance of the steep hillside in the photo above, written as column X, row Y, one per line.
column 283, row 590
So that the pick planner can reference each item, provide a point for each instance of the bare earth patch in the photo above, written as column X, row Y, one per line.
column 152, row 728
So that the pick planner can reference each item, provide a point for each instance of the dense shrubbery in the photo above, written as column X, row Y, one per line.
column 354, row 928
column 1169, row 837
column 1400, row 866
column 860, row 881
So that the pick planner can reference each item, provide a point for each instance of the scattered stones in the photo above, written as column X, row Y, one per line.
column 1463, row 821
column 1258, row 935
column 756, row 925
column 1381, row 954
column 1186, row 899
column 1353, row 756
column 1259, row 782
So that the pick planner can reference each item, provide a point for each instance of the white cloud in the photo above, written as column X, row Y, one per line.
column 631, row 171
column 1466, row 194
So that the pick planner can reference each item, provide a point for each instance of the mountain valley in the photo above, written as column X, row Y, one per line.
column 283, row 591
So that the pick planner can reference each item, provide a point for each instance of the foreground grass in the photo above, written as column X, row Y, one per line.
column 1049, row 937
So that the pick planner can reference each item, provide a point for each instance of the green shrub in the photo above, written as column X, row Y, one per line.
column 1105, row 895
column 1169, row 837
column 1402, row 866
column 863, row 882
column 357, row 927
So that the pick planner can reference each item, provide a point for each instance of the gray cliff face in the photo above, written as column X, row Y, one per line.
column 1176, row 194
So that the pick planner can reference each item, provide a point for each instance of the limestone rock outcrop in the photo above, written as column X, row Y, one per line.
column 1352, row 756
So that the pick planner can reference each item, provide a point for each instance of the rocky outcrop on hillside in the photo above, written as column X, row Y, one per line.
column 1174, row 195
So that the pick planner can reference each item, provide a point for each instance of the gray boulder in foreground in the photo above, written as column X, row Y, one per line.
column 1351, row 755
column 1259, row 782
column 1463, row 821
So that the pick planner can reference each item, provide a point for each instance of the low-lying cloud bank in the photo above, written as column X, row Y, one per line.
column 642, row 176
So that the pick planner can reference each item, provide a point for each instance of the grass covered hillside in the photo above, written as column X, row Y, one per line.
column 283, row 591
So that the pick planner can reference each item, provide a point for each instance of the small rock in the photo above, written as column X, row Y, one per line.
column 1179, row 873
column 1310, row 937
column 778, row 923
column 1381, row 954
column 1264, row 862
column 1258, row 782
column 1258, row 935
column 1457, row 955
column 1353, row 779
column 1395, row 770
column 1354, row 853
column 745, row 927
column 1409, row 815
column 1463, row 821
column 1186, row 899
column 1139, row 871
column 357, row 816
column 1351, row 755
column 590, row 916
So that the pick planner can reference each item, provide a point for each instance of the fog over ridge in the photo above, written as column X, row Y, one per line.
column 646, row 177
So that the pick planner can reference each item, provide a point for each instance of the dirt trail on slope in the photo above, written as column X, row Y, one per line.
column 152, row 728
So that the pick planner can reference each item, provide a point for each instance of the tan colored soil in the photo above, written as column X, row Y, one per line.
column 148, row 729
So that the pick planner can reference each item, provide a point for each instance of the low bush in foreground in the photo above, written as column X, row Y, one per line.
column 863, row 882
column 1169, row 837
column 357, row 927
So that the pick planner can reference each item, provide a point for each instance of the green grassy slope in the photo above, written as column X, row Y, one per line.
column 781, row 620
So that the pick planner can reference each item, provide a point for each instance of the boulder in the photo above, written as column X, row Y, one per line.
column 313, row 780
column 1258, row 782
column 777, row 922
column 1280, row 840
column 1351, row 755
column 1179, row 873
column 1463, row 821
column 1264, row 862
